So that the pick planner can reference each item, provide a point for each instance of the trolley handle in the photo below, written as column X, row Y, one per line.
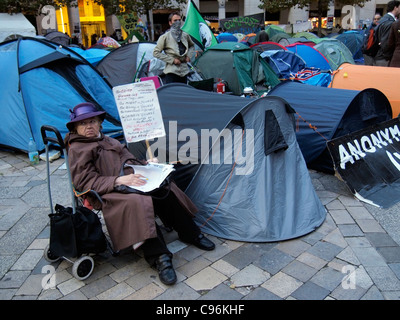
column 47, row 139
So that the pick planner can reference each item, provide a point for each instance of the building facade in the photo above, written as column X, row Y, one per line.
column 88, row 20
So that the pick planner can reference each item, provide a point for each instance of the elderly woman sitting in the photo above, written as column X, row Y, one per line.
column 96, row 161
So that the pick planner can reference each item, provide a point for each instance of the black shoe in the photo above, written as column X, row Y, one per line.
column 165, row 269
column 202, row 242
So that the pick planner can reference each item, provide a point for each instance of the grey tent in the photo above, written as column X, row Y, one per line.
column 239, row 162
column 130, row 61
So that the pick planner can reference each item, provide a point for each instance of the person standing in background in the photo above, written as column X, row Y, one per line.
column 175, row 48
column 368, row 59
column 393, row 45
column 383, row 55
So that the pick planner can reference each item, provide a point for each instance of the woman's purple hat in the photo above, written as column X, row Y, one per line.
column 84, row 111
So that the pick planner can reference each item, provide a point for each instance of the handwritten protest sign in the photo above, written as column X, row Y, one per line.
column 139, row 110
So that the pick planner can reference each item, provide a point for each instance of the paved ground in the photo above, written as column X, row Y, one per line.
column 354, row 255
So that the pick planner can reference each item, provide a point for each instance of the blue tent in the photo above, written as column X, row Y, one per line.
column 354, row 41
column 41, row 81
column 226, row 37
column 312, row 57
column 323, row 114
column 93, row 55
column 284, row 63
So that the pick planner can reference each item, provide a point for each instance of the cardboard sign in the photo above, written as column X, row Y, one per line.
column 368, row 161
column 139, row 110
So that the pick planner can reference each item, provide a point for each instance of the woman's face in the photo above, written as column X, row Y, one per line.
column 89, row 128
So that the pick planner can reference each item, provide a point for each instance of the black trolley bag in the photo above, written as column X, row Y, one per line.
column 75, row 231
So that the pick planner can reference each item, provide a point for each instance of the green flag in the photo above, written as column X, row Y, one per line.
column 196, row 27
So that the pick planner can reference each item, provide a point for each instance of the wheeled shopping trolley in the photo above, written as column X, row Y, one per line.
column 75, row 232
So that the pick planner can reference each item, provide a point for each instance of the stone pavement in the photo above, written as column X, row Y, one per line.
column 354, row 255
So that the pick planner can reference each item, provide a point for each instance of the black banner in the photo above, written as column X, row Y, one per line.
column 368, row 161
column 245, row 24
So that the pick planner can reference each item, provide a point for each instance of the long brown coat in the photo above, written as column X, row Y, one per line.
column 95, row 163
column 394, row 44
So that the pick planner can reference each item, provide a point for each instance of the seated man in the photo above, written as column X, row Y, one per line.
column 95, row 161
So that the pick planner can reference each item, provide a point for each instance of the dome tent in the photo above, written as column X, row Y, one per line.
column 41, row 81
column 333, row 112
column 269, row 199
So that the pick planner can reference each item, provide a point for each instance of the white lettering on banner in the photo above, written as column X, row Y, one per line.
column 358, row 149
column 394, row 161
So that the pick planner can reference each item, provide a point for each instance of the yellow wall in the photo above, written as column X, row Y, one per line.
column 92, row 19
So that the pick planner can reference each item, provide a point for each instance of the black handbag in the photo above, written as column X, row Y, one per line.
column 74, row 234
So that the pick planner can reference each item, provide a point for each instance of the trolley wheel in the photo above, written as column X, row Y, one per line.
column 49, row 256
column 83, row 267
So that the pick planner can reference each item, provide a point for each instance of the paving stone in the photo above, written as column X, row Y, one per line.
column 70, row 285
column 21, row 235
column 368, row 225
column 349, row 256
column 310, row 291
column 390, row 254
column 179, row 291
column 362, row 278
column 341, row 216
column 273, row 261
column 311, row 260
column 249, row 276
column 282, row 284
column 350, row 230
column 380, row 239
column 28, row 260
column 336, row 237
column 350, row 201
column 335, row 205
column 225, row 268
column 13, row 279
column 395, row 268
column 328, row 278
column 261, row 293
column 32, row 286
column 369, row 257
column 142, row 279
column 192, row 267
column 383, row 277
column 242, row 256
column 293, row 247
column 206, row 279
column 118, row 292
column 341, row 293
column 325, row 250
column 391, row 295
column 129, row 270
column 313, row 237
column 75, row 295
column 148, row 292
column 299, row 270
column 373, row 294
column 221, row 292
column 97, row 287
column 359, row 213
column 358, row 242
